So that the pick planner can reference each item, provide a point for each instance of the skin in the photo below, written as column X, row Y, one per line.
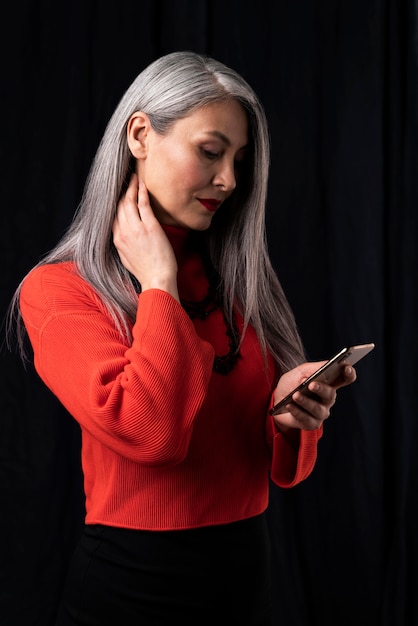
column 199, row 159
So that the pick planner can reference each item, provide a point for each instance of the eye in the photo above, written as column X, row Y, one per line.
column 209, row 154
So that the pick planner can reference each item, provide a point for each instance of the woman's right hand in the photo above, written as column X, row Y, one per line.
column 141, row 242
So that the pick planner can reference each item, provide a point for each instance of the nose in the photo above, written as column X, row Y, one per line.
column 225, row 176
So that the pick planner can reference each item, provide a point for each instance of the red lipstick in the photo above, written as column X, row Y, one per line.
column 210, row 203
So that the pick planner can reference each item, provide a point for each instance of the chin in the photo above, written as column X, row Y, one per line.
column 201, row 227
column 195, row 224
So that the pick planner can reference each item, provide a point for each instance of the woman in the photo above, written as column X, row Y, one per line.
column 159, row 323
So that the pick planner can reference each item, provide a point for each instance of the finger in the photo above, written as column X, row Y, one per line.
column 129, row 198
column 296, row 417
column 348, row 376
column 144, row 206
column 323, row 391
column 131, row 193
column 128, row 210
column 318, row 407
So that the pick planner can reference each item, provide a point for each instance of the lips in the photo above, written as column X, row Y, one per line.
column 210, row 203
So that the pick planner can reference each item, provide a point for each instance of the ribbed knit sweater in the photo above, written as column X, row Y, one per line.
column 166, row 442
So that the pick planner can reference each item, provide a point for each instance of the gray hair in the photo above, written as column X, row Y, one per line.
column 170, row 88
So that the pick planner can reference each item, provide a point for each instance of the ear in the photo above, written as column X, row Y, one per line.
column 137, row 132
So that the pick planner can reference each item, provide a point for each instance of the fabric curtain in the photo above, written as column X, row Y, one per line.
column 339, row 83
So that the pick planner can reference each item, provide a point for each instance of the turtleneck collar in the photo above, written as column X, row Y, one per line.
column 191, row 277
column 179, row 238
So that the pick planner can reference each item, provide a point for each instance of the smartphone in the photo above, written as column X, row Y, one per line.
column 328, row 372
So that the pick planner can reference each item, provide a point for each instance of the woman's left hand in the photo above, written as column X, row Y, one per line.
column 304, row 412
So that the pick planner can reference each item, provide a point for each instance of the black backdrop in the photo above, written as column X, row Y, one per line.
column 339, row 83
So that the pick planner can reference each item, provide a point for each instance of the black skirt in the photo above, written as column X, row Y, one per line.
column 215, row 575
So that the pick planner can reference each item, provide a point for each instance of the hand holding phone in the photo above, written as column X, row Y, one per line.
column 328, row 372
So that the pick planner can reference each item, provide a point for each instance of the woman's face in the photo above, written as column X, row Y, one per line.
column 191, row 170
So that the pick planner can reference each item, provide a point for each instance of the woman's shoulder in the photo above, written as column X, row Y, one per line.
column 50, row 275
column 55, row 283
column 49, row 270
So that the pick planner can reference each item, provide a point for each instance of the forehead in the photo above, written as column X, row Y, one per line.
column 226, row 120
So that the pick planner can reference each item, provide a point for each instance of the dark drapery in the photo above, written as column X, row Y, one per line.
column 339, row 83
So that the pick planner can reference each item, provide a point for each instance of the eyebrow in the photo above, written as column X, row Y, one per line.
column 217, row 133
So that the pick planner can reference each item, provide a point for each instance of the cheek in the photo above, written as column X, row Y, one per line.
column 179, row 170
column 193, row 175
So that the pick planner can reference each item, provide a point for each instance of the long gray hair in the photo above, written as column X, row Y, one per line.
column 170, row 88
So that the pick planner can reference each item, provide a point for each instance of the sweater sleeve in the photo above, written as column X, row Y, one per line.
column 293, row 458
column 139, row 399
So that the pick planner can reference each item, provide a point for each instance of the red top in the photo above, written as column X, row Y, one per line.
column 166, row 443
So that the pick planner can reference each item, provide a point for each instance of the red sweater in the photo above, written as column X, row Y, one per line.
column 166, row 442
